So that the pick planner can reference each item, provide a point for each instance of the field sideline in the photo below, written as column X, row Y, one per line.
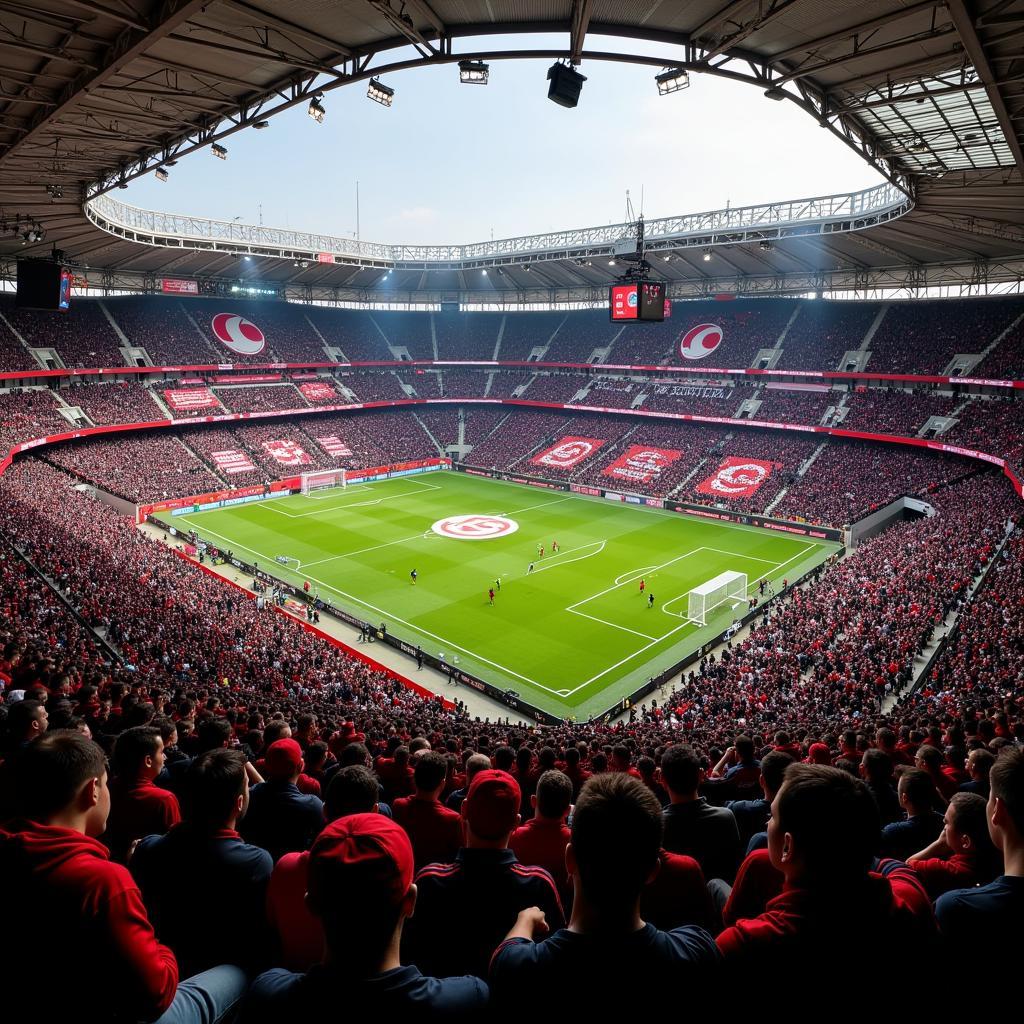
column 572, row 637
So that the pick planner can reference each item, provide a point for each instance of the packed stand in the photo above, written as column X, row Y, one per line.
column 611, row 393
column 352, row 331
column 466, row 335
column 523, row 332
column 411, row 331
column 894, row 412
column 991, row 426
column 442, row 424
column 1006, row 360
column 781, row 405
column 480, row 420
column 698, row 398
column 555, row 387
column 464, row 383
column 162, row 327
column 922, row 337
column 581, row 332
column 82, row 336
column 28, row 415
column 377, row 386
column 505, row 382
column 261, row 398
column 824, row 332
column 122, row 402
column 851, row 478
column 138, row 468
column 13, row 355
column 518, row 436
column 424, row 383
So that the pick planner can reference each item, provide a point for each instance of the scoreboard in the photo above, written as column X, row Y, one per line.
column 639, row 301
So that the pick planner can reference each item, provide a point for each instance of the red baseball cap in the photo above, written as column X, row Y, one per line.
column 818, row 753
column 492, row 804
column 366, row 856
column 283, row 758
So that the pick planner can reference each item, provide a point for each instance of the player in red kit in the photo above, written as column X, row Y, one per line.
column 540, row 550
column 554, row 547
column 642, row 585
column 490, row 595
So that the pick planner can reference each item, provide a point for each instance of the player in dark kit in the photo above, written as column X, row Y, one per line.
column 650, row 600
column 413, row 575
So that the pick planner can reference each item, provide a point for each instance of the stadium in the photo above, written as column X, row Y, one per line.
column 426, row 625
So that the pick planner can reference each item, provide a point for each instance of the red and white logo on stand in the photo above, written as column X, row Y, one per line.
column 240, row 335
column 568, row 452
column 700, row 341
column 233, row 461
column 475, row 527
column 737, row 478
column 641, row 463
column 288, row 453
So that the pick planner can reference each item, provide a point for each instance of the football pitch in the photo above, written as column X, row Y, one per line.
column 572, row 636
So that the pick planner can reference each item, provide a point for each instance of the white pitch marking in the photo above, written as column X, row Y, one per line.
column 633, row 575
column 550, row 563
column 614, row 625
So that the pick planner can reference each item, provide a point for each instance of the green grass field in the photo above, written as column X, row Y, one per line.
column 572, row 637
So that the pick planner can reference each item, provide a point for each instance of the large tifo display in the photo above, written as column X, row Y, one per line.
column 638, row 301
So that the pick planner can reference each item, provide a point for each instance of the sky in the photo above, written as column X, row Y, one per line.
column 452, row 164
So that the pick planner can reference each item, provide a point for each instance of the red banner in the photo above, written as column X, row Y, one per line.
column 568, row 452
column 233, row 461
column 177, row 286
column 737, row 478
column 334, row 446
column 641, row 464
column 257, row 378
column 288, row 453
column 325, row 257
column 191, row 398
column 318, row 392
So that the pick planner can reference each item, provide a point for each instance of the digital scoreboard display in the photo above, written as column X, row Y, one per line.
column 43, row 284
column 642, row 301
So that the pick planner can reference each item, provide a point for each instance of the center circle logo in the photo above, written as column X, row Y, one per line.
column 475, row 527
column 240, row 335
column 700, row 341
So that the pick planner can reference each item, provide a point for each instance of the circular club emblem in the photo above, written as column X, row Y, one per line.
column 475, row 527
column 631, row 298
column 240, row 335
column 700, row 341
column 739, row 478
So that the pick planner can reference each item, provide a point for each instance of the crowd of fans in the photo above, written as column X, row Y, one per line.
column 884, row 411
column 377, row 386
column 14, row 355
column 578, row 335
column 27, row 415
column 163, row 328
column 523, row 332
column 122, row 402
column 84, row 339
column 824, row 332
column 793, row 406
column 520, row 435
column 261, row 398
column 466, row 335
column 720, row 832
column 1006, row 360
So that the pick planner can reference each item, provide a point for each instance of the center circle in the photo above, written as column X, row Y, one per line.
column 475, row 527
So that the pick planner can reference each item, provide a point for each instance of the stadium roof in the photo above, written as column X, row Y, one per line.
column 94, row 93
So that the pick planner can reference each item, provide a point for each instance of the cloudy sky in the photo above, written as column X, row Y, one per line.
column 450, row 163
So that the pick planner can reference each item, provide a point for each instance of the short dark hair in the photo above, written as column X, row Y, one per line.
column 983, row 760
column 616, row 837
column 352, row 790
column 745, row 748
column 832, row 816
column 969, row 817
column 430, row 771
column 916, row 784
column 353, row 754
column 773, row 768
column 213, row 733
column 680, row 768
column 132, row 747
column 931, row 756
column 213, row 783
column 877, row 766
column 168, row 727
column 20, row 716
column 1007, row 780
column 554, row 794
column 48, row 774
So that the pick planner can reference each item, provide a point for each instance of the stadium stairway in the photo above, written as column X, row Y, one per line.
column 426, row 430
column 203, row 461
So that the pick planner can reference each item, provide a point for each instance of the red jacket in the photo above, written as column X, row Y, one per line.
column 757, row 882
column 942, row 874
column 434, row 831
column 542, row 842
column 138, row 810
column 678, row 895
column 66, row 897
column 876, row 921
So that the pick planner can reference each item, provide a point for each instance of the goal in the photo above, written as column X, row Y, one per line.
column 322, row 479
column 726, row 587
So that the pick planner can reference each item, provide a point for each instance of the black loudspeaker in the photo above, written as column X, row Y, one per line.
column 565, row 85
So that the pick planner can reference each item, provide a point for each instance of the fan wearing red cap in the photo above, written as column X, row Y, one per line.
column 281, row 819
column 361, row 888
column 465, row 907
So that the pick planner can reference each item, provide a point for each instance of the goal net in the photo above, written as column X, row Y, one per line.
column 322, row 479
column 723, row 589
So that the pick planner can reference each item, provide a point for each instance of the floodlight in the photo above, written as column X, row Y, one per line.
column 380, row 93
column 775, row 93
column 161, row 174
column 672, row 80
column 316, row 110
column 261, row 124
column 611, row 263
column 566, row 83
column 764, row 245
column 707, row 255
column 219, row 151
column 474, row 72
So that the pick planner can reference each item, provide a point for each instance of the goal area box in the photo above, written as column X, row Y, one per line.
column 321, row 480
column 725, row 587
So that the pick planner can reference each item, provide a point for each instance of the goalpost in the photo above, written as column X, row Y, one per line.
column 322, row 479
column 726, row 587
